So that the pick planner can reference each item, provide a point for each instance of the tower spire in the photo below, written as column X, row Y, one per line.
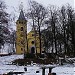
column 21, row 6
column 21, row 16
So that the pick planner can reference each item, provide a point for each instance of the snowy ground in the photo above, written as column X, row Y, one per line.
column 31, row 69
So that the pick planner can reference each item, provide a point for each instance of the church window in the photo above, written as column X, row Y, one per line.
column 21, row 42
column 21, row 49
column 21, row 28
column 19, row 22
column 32, row 34
column 32, row 42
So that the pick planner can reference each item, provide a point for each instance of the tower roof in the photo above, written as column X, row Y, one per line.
column 21, row 16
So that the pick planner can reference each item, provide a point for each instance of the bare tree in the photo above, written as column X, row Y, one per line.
column 37, row 14
column 71, row 30
column 53, row 19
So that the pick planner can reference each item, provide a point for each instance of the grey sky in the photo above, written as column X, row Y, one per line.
column 15, row 3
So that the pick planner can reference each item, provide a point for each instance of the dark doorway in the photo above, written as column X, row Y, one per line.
column 32, row 50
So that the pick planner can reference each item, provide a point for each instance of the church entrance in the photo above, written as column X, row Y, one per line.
column 32, row 50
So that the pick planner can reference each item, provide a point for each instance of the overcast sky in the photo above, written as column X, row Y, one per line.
column 15, row 3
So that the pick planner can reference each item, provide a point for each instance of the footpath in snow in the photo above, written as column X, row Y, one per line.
column 31, row 69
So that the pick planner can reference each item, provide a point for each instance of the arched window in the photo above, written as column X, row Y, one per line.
column 21, row 49
column 21, row 28
column 32, row 34
column 32, row 42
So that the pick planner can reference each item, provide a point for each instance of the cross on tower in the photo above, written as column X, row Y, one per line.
column 21, row 6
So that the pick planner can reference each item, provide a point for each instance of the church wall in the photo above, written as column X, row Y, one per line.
column 21, row 37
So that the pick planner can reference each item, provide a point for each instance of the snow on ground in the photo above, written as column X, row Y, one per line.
column 9, row 59
column 62, row 70
column 31, row 69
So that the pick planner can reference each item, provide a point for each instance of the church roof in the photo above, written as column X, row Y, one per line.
column 21, row 16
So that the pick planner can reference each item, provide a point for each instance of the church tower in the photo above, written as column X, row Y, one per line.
column 21, row 34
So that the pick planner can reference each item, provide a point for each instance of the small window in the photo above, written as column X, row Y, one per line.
column 21, row 28
column 19, row 22
column 32, row 42
column 32, row 34
column 21, row 49
column 21, row 42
